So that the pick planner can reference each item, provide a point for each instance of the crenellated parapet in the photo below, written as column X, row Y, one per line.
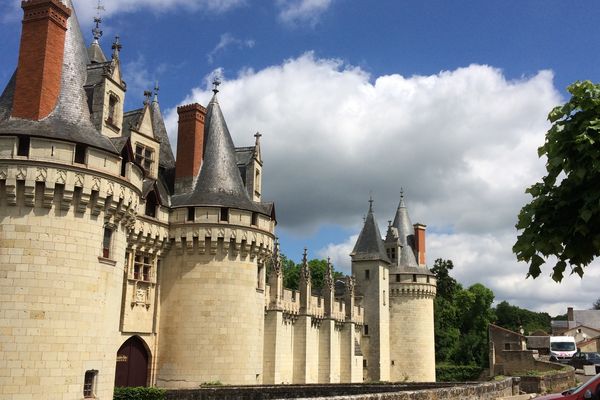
column 39, row 184
column 149, row 236
column 416, row 289
column 222, row 239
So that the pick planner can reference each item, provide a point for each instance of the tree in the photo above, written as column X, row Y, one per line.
column 291, row 273
column 596, row 305
column 563, row 217
column 513, row 318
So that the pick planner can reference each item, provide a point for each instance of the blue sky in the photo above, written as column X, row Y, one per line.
column 447, row 99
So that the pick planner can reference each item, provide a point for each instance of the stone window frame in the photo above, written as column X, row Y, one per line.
column 108, row 243
column 112, row 114
column 145, row 156
column 90, row 381
column 143, row 267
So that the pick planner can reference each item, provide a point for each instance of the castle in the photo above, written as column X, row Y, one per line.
column 121, row 265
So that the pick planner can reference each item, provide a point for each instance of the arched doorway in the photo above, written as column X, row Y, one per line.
column 132, row 363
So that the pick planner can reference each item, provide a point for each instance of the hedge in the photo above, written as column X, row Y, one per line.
column 457, row 373
column 139, row 393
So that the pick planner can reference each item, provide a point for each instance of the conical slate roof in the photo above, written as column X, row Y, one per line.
column 95, row 53
column 369, row 245
column 406, row 235
column 219, row 183
column 70, row 119
column 166, row 158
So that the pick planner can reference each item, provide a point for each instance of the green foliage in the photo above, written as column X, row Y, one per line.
column 461, row 319
column 318, row 268
column 563, row 217
column 138, row 393
column 513, row 318
column 457, row 373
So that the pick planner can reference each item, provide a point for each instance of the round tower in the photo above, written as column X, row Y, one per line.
column 412, row 290
column 213, row 279
column 65, row 208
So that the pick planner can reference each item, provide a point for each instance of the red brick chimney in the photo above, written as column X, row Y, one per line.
column 40, row 58
column 190, row 144
column 420, row 242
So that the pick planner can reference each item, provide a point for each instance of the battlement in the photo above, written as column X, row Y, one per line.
column 413, row 289
column 290, row 302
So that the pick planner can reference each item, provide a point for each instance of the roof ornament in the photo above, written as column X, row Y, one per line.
column 97, row 32
column 257, row 135
column 216, row 82
column 371, row 202
column 156, row 90
column 276, row 258
column 401, row 204
column 305, row 269
column 116, row 47
column 147, row 95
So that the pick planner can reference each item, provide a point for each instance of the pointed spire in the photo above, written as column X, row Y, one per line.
column 406, row 234
column 156, row 90
column 369, row 245
column 116, row 47
column 328, row 279
column 219, row 182
column 305, row 269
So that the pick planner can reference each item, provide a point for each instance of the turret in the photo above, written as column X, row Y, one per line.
column 412, row 290
column 222, row 240
column 370, row 266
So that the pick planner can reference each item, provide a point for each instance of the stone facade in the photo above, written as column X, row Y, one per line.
column 119, row 266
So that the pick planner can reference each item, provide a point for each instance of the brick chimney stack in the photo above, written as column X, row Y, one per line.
column 41, row 55
column 420, row 243
column 190, row 145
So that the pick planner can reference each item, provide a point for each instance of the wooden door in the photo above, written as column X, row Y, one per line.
column 132, row 363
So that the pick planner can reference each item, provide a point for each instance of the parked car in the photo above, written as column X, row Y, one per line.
column 587, row 390
column 585, row 358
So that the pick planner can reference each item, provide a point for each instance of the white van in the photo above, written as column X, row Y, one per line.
column 562, row 348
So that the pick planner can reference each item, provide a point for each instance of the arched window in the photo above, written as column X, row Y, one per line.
column 112, row 110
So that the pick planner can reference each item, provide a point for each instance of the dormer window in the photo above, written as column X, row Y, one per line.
column 144, row 156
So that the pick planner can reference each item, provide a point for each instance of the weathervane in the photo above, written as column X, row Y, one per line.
column 97, row 32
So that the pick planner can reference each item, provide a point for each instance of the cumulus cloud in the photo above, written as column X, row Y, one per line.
column 86, row 9
column 295, row 12
column 227, row 40
column 462, row 143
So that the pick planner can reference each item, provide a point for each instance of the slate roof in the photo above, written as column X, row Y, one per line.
column 244, row 155
column 406, row 236
column 70, row 119
column 369, row 245
column 590, row 318
column 95, row 53
column 219, row 183
column 166, row 158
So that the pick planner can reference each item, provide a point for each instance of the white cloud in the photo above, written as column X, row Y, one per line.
column 339, row 254
column 228, row 40
column 462, row 143
column 86, row 9
column 295, row 12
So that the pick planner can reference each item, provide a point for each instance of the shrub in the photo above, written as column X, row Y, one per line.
column 457, row 373
column 139, row 393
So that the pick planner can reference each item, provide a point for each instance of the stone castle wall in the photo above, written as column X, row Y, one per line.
column 411, row 329
column 61, row 293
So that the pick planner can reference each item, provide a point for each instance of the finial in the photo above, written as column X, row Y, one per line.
column 216, row 83
column 370, row 203
column 305, row 256
column 116, row 47
column 257, row 135
column 389, row 223
column 147, row 95
column 97, row 32
column 156, row 90
column 401, row 192
column 401, row 204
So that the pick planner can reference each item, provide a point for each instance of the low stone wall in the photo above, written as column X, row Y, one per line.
column 423, row 391
column 548, row 383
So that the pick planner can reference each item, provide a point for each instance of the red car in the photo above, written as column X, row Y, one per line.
column 587, row 390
